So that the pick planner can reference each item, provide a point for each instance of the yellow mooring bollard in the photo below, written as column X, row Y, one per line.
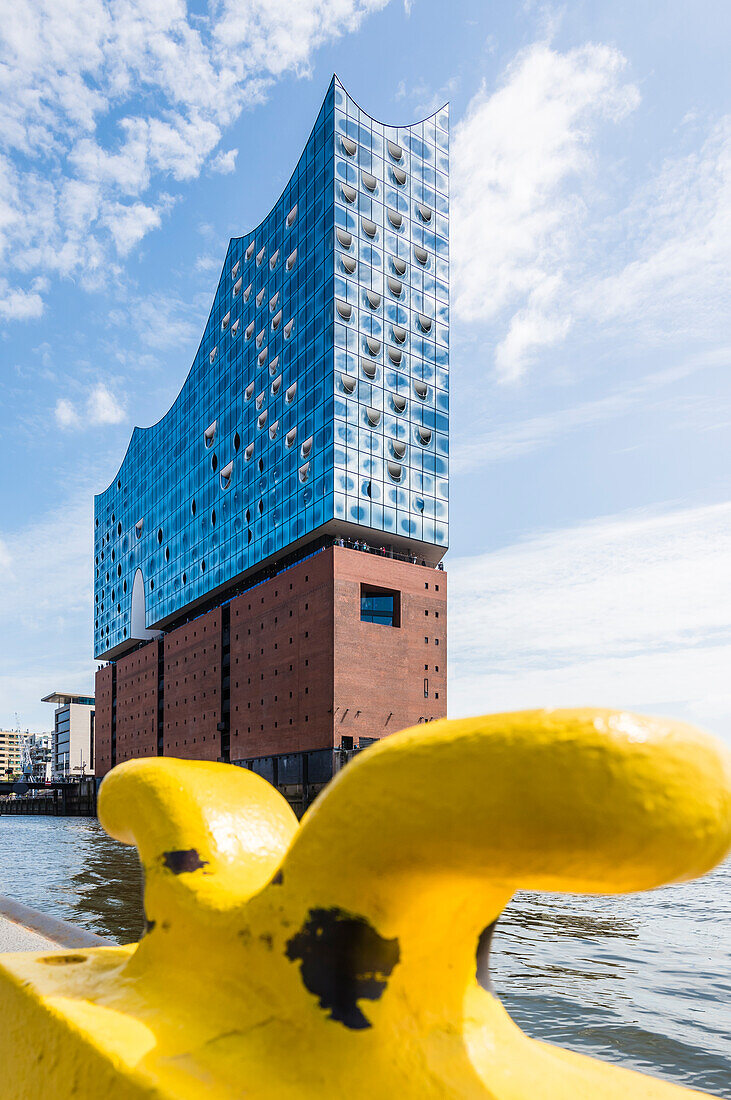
column 346, row 957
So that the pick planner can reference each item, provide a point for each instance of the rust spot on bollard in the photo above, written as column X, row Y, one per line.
column 63, row 960
column 183, row 862
column 344, row 960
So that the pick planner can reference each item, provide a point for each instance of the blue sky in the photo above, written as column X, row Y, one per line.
column 590, row 553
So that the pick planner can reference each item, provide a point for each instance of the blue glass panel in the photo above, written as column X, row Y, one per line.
column 279, row 365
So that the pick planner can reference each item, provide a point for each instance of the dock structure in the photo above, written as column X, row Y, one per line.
column 71, row 798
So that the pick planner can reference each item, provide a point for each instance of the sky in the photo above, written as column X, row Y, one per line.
column 590, row 512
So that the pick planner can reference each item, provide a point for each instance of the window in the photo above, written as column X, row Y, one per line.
column 380, row 605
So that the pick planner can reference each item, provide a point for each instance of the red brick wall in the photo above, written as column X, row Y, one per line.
column 103, row 720
column 137, row 703
column 192, row 698
column 282, row 664
column 380, row 670
column 304, row 670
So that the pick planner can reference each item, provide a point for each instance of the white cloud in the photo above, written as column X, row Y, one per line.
column 630, row 610
column 225, row 163
column 424, row 98
column 678, row 282
column 510, row 440
column 17, row 304
column 103, row 407
column 208, row 264
column 167, row 321
column 100, row 407
column 85, row 161
column 66, row 415
column 129, row 224
column 543, row 246
column 517, row 157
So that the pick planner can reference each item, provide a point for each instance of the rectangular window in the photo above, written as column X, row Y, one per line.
column 380, row 605
column 426, row 688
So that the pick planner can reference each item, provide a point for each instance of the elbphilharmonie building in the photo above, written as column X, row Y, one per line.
column 313, row 421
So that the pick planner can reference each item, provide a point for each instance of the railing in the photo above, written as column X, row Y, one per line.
column 277, row 569
column 59, row 932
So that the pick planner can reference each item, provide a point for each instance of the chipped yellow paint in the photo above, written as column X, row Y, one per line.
column 339, row 957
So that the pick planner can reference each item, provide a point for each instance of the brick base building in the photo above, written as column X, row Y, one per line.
column 288, row 677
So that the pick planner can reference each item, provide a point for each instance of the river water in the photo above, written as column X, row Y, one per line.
column 643, row 980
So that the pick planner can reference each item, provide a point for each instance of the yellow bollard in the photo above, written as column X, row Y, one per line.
column 346, row 956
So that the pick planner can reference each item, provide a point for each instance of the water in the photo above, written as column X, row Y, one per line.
column 641, row 980
column 69, row 868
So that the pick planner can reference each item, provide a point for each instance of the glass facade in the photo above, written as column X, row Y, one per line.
column 319, row 395
column 376, row 608
column 62, row 742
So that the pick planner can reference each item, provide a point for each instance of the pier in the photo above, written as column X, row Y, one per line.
column 73, row 798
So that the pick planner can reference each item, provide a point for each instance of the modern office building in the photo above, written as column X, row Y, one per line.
column 10, row 753
column 72, row 751
column 37, row 755
column 237, row 618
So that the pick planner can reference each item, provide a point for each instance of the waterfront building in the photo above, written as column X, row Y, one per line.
column 268, row 582
column 73, row 734
column 37, row 755
column 10, row 753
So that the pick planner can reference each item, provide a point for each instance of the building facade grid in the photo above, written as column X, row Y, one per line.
column 319, row 393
